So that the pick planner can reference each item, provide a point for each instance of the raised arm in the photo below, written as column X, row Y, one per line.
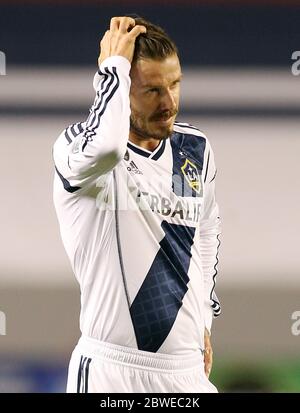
column 94, row 147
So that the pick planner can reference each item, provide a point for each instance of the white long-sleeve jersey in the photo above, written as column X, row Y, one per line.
column 140, row 228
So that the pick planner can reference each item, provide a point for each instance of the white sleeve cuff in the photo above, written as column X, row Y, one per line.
column 120, row 61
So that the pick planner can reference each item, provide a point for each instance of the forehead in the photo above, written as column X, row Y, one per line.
column 147, row 72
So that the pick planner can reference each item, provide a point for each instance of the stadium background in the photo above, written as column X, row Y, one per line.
column 239, row 89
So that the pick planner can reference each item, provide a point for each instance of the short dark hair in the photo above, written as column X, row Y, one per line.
column 154, row 44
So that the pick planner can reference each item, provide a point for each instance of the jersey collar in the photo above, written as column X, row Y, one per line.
column 155, row 155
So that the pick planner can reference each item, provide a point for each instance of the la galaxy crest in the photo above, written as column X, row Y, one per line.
column 192, row 176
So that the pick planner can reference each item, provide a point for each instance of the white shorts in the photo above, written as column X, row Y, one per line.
column 98, row 367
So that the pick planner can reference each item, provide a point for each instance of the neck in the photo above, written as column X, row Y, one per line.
column 146, row 143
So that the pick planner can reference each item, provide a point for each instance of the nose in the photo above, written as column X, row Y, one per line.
column 168, row 100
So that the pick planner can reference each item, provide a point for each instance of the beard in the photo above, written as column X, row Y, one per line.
column 146, row 128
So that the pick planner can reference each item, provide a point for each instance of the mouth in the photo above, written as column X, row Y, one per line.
column 164, row 119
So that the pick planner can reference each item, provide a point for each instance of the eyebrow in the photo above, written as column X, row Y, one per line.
column 149, row 86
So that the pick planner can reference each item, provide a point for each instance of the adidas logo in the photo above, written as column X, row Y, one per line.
column 133, row 169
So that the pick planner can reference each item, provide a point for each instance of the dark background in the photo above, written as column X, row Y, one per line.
column 206, row 32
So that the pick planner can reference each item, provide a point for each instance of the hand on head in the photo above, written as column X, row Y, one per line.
column 119, row 40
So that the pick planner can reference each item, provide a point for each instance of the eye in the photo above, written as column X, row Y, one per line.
column 153, row 90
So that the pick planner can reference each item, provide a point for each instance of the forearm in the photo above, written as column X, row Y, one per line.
column 106, row 130
column 210, row 230
column 209, row 246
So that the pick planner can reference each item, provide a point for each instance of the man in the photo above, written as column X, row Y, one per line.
column 134, row 195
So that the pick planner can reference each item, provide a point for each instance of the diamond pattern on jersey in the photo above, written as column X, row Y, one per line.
column 156, row 305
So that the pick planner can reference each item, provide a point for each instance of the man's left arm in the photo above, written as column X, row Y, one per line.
column 209, row 245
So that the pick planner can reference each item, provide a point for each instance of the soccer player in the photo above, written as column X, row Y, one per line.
column 134, row 193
